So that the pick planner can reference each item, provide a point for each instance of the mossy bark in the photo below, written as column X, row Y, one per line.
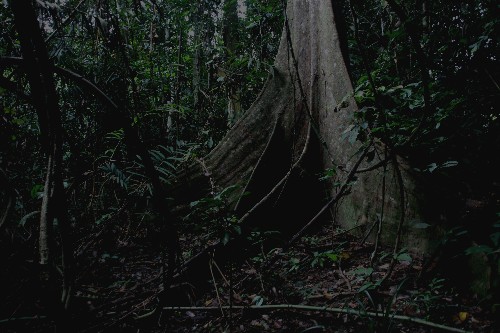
column 294, row 130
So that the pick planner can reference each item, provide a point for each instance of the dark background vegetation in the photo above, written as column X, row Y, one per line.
column 425, row 77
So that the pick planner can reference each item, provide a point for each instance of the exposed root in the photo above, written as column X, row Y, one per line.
column 347, row 311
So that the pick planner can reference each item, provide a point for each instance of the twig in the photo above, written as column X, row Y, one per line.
column 369, row 232
column 495, row 83
column 221, row 274
column 5, row 321
column 375, row 166
column 349, row 286
column 321, row 309
column 216, row 289
column 381, row 219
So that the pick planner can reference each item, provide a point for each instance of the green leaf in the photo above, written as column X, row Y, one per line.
column 226, row 238
column 37, row 191
column 478, row 249
column 403, row 257
column 103, row 218
column 332, row 256
column 495, row 238
column 362, row 271
column 366, row 286
column 396, row 33
column 421, row 225
column 431, row 167
column 329, row 173
column 251, row 25
column 449, row 164
column 258, row 300
column 237, row 229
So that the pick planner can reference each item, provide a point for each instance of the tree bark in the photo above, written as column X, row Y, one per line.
column 198, row 56
column 294, row 130
column 54, row 206
column 230, row 36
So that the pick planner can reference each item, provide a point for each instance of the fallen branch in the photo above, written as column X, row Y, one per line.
column 321, row 309
column 10, row 320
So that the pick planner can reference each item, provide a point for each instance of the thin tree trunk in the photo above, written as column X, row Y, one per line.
column 230, row 37
column 11, row 197
column 198, row 56
column 173, row 117
column 54, row 205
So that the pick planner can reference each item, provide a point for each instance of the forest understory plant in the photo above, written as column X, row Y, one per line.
column 375, row 118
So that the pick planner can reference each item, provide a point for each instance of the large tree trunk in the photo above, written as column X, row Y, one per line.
column 294, row 131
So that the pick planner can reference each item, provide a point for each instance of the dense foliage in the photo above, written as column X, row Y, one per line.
column 425, row 76
column 426, row 80
column 166, row 66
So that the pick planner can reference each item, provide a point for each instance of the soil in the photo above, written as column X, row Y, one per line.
column 119, row 280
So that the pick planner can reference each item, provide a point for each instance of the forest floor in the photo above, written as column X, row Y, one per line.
column 120, row 281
